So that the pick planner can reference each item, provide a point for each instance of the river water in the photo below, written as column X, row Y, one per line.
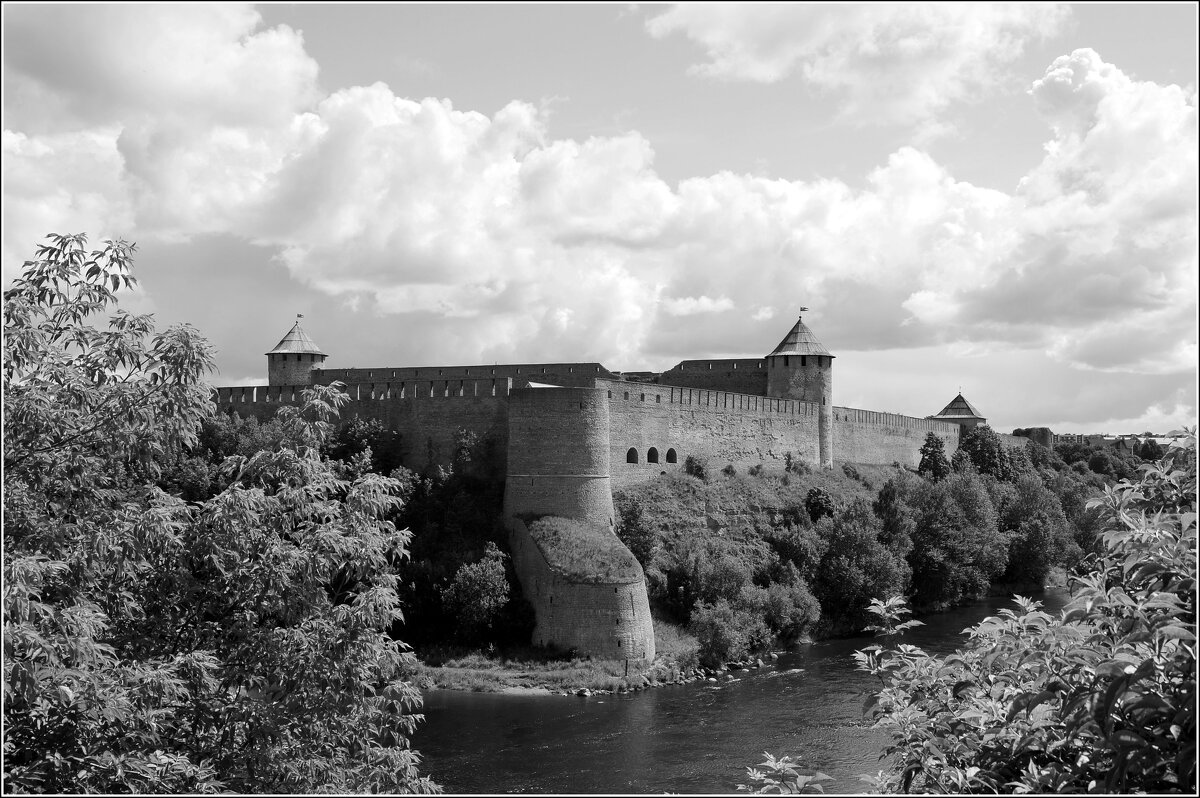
column 696, row 738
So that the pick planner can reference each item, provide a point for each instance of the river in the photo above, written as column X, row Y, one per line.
column 696, row 738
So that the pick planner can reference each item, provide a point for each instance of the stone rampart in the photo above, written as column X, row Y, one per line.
column 663, row 425
column 570, row 374
column 868, row 436
column 745, row 375
column 428, row 414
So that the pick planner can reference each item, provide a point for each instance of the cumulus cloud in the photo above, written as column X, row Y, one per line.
column 887, row 62
column 498, row 241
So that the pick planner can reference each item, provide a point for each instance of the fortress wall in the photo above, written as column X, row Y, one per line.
column 558, row 459
column 574, row 374
column 607, row 620
column 868, row 436
column 428, row 414
column 718, row 427
column 747, row 375
column 1012, row 441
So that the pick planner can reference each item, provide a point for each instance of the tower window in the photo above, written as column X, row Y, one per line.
column 631, row 456
column 671, row 456
column 652, row 455
column 785, row 360
column 804, row 360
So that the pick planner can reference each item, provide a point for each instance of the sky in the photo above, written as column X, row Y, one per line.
column 994, row 198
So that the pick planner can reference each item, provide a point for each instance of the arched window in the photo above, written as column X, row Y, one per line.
column 652, row 455
column 631, row 456
column 671, row 457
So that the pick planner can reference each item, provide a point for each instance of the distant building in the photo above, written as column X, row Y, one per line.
column 960, row 412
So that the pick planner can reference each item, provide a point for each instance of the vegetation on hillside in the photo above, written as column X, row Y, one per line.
column 1099, row 698
column 231, row 636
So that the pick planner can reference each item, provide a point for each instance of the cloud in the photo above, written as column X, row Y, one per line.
column 495, row 240
column 892, row 63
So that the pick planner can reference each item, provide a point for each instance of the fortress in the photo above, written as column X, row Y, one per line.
column 572, row 432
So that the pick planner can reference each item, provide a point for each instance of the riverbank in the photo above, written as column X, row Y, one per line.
column 480, row 674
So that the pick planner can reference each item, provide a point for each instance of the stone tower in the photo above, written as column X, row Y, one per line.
column 292, row 360
column 801, row 368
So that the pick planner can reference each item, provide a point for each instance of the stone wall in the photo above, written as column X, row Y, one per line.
column 573, row 374
column 867, row 436
column 428, row 414
column 714, row 426
column 746, row 375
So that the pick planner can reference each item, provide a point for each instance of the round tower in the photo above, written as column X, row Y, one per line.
column 558, row 455
column 801, row 368
column 292, row 360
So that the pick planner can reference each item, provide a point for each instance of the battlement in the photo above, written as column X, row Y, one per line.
column 573, row 374
column 878, row 419
column 705, row 399
column 369, row 391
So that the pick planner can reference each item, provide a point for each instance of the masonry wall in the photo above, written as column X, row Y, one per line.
column 428, row 414
column 605, row 619
column 571, row 374
column 747, row 375
column 868, row 436
column 715, row 426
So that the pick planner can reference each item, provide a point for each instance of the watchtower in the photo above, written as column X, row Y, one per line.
column 801, row 368
column 292, row 360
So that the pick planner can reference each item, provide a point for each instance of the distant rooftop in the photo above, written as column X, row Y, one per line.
column 959, row 407
column 296, row 341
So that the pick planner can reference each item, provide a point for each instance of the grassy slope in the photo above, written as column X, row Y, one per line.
column 584, row 552
column 735, row 512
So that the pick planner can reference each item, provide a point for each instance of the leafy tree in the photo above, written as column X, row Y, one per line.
column 981, row 447
column 934, row 464
column 818, row 503
column 856, row 567
column 1150, row 450
column 478, row 594
column 1101, row 698
column 633, row 531
column 152, row 645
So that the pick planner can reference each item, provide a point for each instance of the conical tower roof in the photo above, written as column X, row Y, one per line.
column 296, row 341
column 800, row 341
column 959, row 407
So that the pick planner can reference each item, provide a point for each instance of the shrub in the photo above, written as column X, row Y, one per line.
column 729, row 470
column 477, row 595
column 756, row 470
column 694, row 467
column 851, row 471
column 818, row 503
column 1099, row 699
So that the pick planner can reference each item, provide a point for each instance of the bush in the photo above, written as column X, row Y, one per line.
column 477, row 595
column 755, row 470
column 694, row 467
column 729, row 470
column 851, row 471
column 818, row 504
column 726, row 634
column 1099, row 699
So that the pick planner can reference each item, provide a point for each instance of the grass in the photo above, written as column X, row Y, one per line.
column 453, row 668
column 584, row 552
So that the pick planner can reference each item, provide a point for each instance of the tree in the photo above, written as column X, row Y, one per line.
column 818, row 503
column 1099, row 699
column 981, row 447
column 478, row 594
column 156, row 645
column 934, row 464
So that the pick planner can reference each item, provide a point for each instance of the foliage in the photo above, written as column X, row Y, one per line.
column 782, row 775
column 957, row 546
column 855, row 568
column 980, row 447
column 729, row 470
column 634, row 532
column 357, row 435
column 934, row 464
column 726, row 633
column 694, row 467
column 819, row 504
column 478, row 594
column 151, row 645
column 1099, row 699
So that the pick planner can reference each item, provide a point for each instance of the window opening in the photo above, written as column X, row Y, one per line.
column 631, row 456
